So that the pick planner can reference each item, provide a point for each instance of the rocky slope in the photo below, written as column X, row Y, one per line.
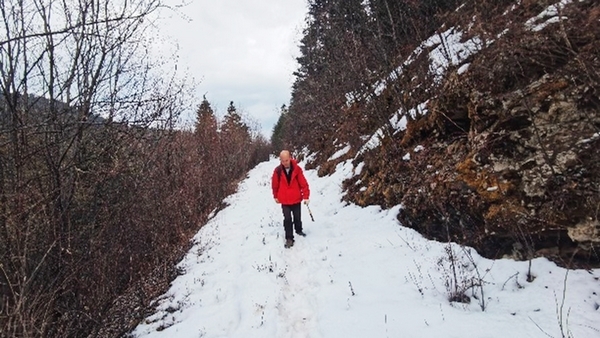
column 504, row 155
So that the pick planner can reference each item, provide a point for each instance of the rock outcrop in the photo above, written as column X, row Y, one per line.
column 510, row 159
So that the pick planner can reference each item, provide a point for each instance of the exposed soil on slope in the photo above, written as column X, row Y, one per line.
column 511, row 159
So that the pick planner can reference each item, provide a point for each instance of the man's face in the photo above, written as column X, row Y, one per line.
column 285, row 160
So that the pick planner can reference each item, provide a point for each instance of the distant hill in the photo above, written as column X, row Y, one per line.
column 39, row 106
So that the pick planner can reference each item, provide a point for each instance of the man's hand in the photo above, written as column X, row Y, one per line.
column 306, row 202
column 277, row 201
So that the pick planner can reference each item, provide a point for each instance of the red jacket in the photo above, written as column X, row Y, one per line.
column 291, row 192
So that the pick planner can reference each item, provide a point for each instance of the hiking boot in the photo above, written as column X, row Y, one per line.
column 289, row 243
column 301, row 233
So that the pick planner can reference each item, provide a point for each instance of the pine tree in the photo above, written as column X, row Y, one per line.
column 235, row 140
column 232, row 122
column 206, row 128
column 334, row 62
column 279, row 130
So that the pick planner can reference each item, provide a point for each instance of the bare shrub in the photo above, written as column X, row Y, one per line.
column 99, row 194
column 462, row 277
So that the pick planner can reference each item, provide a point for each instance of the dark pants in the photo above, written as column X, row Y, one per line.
column 288, row 211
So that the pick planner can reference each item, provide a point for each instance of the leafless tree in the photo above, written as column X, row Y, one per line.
column 78, row 94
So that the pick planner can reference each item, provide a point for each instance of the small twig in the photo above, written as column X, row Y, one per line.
column 536, row 324
column 405, row 242
column 454, row 123
column 509, row 278
column 560, row 309
column 480, row 279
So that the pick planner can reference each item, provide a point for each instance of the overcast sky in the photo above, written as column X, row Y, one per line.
column 239, row 50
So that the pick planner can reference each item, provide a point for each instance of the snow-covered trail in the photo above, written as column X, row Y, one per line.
column 358, row 273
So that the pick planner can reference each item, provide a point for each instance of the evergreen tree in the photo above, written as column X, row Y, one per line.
column 232, row 122
column 235, row 140
column 279, row 130
column 333, row 63
column 349, row 46
column 206, row 128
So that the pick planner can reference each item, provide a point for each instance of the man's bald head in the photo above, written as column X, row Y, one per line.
column 285, row 158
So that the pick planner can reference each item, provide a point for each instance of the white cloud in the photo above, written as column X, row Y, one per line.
column 239, row 50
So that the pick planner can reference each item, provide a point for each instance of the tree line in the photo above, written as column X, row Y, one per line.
column 99, row 190
column 364, row 62
column 346, row 47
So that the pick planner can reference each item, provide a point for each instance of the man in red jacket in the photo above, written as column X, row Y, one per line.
column 289, row 189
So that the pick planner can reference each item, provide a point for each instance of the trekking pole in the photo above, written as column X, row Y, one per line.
column 309, row 212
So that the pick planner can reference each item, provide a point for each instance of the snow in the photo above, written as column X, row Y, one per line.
column 450, row 51
column 373, row 142
column 358, row 273
column 406, row 157
column 447, row 50
column 421, row 109
column 340, row 153
column 551, row 14
column 463, row 69
column 358, row 169
column 501, row 34
column 401, row 124
column 588, row 140
column 399, row 121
